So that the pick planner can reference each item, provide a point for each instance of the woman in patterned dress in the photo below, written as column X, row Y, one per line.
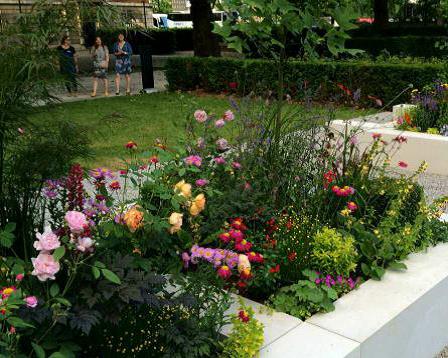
column 123, row 66
column 100, row 55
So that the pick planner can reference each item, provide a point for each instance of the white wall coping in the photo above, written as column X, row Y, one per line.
column 403, row 315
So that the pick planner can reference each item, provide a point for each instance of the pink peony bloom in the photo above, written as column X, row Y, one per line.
column 222, row 144
column 236, row 165
column 228, row 116
column 76, row 221
column 47, row 241
column 202, row 182
column 193, row 160
column 85, row 244
column 31, row 301
column 219, row 160
column 45, row 267
column 220, row 123
column 200, row 115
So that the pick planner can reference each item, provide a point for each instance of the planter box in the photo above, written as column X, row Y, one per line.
column 419, row 147
column 403, row 315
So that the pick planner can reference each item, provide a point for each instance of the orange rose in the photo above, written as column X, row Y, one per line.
column 175, row 221
column 197, row 205
column 134, row 218
column 183, row 188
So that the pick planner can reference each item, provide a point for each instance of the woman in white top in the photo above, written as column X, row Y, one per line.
column 100, row 55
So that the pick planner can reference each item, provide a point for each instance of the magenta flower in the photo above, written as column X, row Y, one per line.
column 195, row 160
column 222, row 144
column 101, row 173
column 47, row 241
column 202, row 182
column 200, row 115
column 45, row 267
column 219, row 160
column 236, row 165
column 220, row 123
column 76, row 221
column 31, row 301
column 186, row 259
column 228, row 116
column 402, row 164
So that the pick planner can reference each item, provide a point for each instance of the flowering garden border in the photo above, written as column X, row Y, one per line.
column 400, row 316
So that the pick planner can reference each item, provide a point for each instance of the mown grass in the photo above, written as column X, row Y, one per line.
column 111, row 122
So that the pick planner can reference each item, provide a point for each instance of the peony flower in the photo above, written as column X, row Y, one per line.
column 31, row 301
column 195, row 160
column 201, row 182
column 224, row 272
column 243, row 263
column 200, row 115
column 47, row 241
column 197, row 205
column 76, row 221
column 243, row 245
column 220, row 123
column 85, row 244
column 45, row 267
column 219, row 160
column 115, row 185
column 131, row 145
column 228, row 116
column 243, row 316
column 175, row 221
column 402, row 164
column 222, row 144
column 183, row 188
column 133, row 218
column 236, row 165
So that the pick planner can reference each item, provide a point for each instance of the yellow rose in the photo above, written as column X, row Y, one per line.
column 133, row 218
column 175, row 221
column 243, row 263
column 197, row 205
column 183, row 188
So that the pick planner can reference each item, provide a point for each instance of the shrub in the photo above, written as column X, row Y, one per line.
column 333, row 253
column 382, row 80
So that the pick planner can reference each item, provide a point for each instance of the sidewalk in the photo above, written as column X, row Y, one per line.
column 85, row 86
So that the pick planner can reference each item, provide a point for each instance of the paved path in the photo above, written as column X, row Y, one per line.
column 85, row 86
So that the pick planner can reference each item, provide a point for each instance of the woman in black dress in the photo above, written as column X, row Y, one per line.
column 68, row 63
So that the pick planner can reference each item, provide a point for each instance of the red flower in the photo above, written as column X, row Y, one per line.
column 233, row 85
column 402, row 164
column 123, row 172
column 241, row 284
column 407, row 118
column 289, row 225
column 352, row 206
column 255, row 257
column 154, row 159
column 243, row 316
column 131, row 145
column 245, row 274
column 329, row 177
column 376, row 135
column 275, row 269
column 400, row 139
column 238, row 224
column 225, row 237
column 243, row 245
column 292, row 256
column 344, row 89
column 115, row 185
column 224, row 272
column 237, row 235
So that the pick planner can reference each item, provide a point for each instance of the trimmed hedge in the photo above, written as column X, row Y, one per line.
column 400, row 29
column 381, row 80
column 414, row 46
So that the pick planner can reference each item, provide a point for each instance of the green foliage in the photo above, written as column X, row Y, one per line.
column 333, row 253
column 305, row 298
column 246, row 338
column 383, row 80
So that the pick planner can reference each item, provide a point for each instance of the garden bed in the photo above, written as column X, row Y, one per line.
column 400, row 316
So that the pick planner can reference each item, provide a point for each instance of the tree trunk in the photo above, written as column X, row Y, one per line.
column 381, row 13
column 205, row 42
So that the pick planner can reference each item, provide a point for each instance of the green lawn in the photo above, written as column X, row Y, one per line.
column 114, row 121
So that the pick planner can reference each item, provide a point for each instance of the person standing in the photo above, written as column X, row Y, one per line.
column 100, row 55
column 68, row 63
column 123, row 65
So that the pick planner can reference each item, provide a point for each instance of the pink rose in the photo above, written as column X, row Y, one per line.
column 229, row 116
column 222, row 144
column 200, row 115
column 220, row 123
column 76, row 221
column 47, row 241
column 45, row 267
column 236, row 165
column 84, row 244
column 201, row 182
column 31, row 301
column 195, row 160
column 20, row 277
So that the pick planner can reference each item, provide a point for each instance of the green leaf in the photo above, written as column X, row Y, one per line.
column 18, row 322
column 59, row 253
column 111, row 276
column 40, row 352
column 95, row 272
column 64, row 301
column 10, row 227
column 99, row 264
column 54, row 289
column 57, row 355
column 397, row 266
